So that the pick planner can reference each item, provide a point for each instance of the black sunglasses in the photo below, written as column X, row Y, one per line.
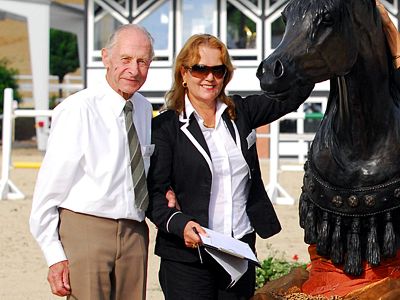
column 201, row 71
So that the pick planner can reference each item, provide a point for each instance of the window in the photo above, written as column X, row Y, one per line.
column 104, row 26
column 141, row 2
column 157, row 23
column 197, row 17
column 104, row 16
column 241, row 30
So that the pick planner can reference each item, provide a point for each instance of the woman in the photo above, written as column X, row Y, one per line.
column 205, row 151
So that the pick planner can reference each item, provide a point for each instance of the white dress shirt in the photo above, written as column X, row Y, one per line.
column 230, row 176
column 86, row 165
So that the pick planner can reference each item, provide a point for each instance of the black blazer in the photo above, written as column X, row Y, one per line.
column 181, row 160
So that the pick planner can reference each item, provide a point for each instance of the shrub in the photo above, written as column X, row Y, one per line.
column 7, row 80
column 272, row 268
column 64, row 56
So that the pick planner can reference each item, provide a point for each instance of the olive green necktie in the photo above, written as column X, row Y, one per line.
column 136, row 160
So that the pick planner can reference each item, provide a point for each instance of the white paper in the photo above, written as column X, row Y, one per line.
column 230, row 253
column 228, row 244
column 234, row 266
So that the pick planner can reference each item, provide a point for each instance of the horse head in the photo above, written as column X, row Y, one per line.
column 341, row 41
column 322, row 40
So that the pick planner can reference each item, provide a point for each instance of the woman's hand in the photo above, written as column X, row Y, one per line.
column 391, row 33
column 384, row 14
column 191, row 234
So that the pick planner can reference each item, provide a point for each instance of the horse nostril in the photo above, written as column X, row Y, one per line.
column 278, row 69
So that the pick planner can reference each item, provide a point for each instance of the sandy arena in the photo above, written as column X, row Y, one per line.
column 23, row 270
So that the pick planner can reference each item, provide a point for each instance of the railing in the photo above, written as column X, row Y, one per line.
column 71, row 84
column 8, row 190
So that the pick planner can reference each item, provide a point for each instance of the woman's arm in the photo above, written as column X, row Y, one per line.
column 391, row 33
column 262, row 109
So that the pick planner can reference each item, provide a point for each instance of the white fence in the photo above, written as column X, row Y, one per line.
column 8, row 190
column 70, row 85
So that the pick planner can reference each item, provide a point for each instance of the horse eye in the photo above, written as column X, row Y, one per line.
column 327, row 19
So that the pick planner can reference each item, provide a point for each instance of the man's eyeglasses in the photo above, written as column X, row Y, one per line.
column 201, row 71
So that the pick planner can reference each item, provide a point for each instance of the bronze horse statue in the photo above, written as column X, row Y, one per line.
column 351, row 192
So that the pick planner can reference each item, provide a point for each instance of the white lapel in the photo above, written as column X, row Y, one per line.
column 185, row 130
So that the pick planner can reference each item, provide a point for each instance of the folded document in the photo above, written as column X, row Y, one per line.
column 233, row 255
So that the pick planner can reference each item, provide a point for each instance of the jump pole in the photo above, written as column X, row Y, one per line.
column 276, row 192
column 8, row 190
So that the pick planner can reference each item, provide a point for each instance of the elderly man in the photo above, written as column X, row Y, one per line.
column 90, row 197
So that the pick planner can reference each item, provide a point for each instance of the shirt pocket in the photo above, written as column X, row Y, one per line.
column 147, row 152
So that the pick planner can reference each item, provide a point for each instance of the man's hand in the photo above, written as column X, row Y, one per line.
column 171, row 198
column 58, row 278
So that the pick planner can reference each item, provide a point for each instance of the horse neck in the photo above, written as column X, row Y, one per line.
column 363, row 94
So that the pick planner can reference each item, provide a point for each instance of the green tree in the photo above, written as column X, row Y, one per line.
column 64, row 57
column 7, row 80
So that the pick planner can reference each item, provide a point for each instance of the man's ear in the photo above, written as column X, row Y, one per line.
column 105, row 57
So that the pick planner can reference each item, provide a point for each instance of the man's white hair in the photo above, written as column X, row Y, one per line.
column 113, row 37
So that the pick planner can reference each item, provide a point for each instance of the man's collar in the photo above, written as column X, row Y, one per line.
column 115, row 101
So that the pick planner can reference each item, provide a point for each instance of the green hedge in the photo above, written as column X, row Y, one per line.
column 272, row 268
